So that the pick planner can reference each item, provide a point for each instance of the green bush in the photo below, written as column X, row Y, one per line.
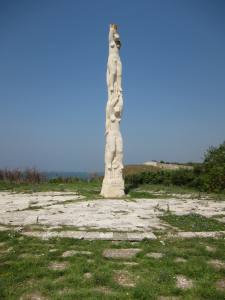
column 213, row 173
column 208, row 176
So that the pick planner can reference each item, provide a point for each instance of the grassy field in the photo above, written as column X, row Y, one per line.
column 91, row 190
column 25, row 269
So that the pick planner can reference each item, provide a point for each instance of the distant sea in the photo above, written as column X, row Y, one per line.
column 83, row 175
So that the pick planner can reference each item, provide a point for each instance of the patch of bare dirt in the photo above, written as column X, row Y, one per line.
column 58, row 266
column 120, row 253
column 124, row 278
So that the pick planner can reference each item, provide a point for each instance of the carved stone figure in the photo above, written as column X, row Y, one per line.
column 113, row 183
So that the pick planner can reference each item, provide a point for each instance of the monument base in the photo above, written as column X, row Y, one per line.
column 112, row 189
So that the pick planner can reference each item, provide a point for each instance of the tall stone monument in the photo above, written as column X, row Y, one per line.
column 113, row 183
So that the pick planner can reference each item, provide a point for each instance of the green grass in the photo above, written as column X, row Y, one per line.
column 193, row 222
column 24, row 269
column 91, row 190
column 88, row 189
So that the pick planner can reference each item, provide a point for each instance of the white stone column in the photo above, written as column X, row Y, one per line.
column 113, row 183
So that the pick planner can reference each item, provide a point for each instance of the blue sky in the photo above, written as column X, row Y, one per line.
column 53, row 58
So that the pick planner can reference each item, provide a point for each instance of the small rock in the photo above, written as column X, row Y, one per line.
column 210, row 248
column 130, row 263
column 180, row 259
column 87, row 275
column 156, row 255
column 58, row 266
column 217, row 264
column 74, row 252
column 183, row 282
column 220, row 285
column 65, row 291
column 120, row 253
column 53, row 250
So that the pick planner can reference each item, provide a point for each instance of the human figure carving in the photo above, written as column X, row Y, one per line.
column 113, row 184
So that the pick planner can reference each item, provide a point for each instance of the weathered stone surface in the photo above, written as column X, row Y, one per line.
column 183, row 282
column 188, row 235
column 217, row 264
column 141, row 215
column 58, row 266
column 120, row 253
column 53, row 250
column 156, row 255
column 210, row 248
column 180, row 260
column 70, row 253
column 92, row 235
column 87, row 275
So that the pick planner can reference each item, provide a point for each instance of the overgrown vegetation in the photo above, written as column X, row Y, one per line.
column 193, row 222
column 25, row 272
column 208, row 176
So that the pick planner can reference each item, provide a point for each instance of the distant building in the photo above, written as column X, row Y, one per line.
column 167, row 166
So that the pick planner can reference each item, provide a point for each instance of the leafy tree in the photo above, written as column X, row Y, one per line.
column 214, row 168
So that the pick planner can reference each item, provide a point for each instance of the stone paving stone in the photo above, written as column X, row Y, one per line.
column 217, row 264
column 139, row 236
column 87, row 275
column 92, row 235
column 58, row 266
column 156, row 255
column 210, row 248
column 70, row 253
column 120, row 236
column 190, row 234
column 96, row 235
column 183, row 282
column 53, row 250
column 180, row 260
column 121, row 253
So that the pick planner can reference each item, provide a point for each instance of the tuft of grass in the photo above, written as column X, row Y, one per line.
column 193, row 222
